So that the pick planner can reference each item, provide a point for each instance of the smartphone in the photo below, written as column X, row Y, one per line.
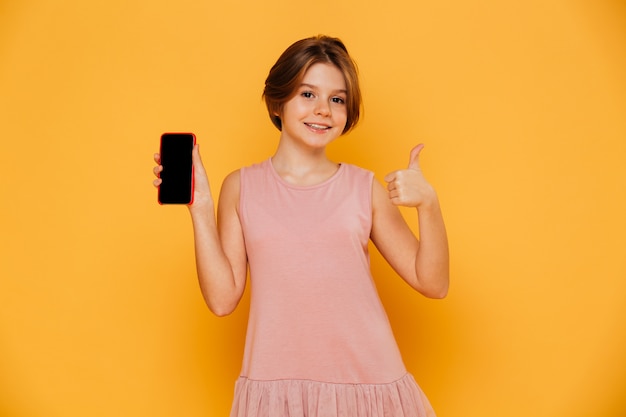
column 177, row 175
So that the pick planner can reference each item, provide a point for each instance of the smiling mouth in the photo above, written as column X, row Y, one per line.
column 315, row 126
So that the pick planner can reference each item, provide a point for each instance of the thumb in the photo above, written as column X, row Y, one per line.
column 195, row 155
column 414, row 159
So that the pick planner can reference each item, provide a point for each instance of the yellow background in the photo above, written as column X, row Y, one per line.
column 521, row 104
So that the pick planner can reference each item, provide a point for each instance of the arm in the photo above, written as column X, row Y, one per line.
column 221, row 261
column 423, row 263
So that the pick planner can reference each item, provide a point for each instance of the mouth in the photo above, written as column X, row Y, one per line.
column 317, row 127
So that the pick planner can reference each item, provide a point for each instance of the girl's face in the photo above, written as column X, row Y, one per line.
column 316, row 114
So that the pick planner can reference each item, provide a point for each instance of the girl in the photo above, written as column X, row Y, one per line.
column 318, row 343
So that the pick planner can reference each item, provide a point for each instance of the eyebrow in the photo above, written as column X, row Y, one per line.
column 311, row 86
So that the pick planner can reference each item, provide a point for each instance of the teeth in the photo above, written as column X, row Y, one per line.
column 316, row 126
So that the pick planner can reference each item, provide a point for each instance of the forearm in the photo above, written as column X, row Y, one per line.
column 432, row 259
column 215, row 272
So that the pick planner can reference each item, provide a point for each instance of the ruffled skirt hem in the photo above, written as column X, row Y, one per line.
column 303, row 398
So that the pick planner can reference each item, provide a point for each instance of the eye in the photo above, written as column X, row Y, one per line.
column 338, row 100
column 307, row 94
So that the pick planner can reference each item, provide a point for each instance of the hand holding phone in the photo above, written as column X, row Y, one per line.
column 177, row 182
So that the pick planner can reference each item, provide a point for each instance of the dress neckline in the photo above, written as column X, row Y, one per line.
column 288, row 184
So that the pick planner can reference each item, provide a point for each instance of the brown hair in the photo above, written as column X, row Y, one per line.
column 287, row 73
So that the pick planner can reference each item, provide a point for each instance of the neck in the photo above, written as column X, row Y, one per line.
column 303, row 168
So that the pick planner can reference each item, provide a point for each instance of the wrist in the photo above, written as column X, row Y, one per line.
column 201, row 206
column 430, row 203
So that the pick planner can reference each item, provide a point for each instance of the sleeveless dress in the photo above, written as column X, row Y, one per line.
column 318, row 342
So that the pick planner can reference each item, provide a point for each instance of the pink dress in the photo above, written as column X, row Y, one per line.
column 318, row 343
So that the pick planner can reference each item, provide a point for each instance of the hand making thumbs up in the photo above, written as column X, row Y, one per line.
column 408, row 187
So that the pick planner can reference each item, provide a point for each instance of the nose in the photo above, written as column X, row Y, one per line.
column 322, row 108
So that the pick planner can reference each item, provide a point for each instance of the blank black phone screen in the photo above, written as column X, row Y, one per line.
column 177, row 175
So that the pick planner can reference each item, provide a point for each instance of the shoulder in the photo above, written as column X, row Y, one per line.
column 229, row 194
column 232, row 180
column 236, row 180
column 356, row 173
column 355, row 169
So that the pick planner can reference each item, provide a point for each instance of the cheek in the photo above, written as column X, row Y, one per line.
column 340, row 112
column 295, row 109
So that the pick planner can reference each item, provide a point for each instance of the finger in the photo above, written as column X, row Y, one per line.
column 157, row 170
column 195, row 156
column 157, row 158
column 196, row 151
column 390, row 177
column 414, row 162
column 394, row 198
column 157, row 182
